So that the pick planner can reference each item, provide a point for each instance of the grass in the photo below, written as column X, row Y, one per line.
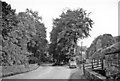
column 16, row 69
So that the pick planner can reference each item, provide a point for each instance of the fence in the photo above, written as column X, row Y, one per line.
column 95, row 64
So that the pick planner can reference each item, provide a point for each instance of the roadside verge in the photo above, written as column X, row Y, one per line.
column 13, row 70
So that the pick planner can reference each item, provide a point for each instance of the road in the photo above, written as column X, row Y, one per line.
column 46, row 72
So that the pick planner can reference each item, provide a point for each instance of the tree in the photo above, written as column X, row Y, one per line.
column 8, row 24
column 102, row 41
column 67, row 29
column 17, row 31
column 8, row 20
column 37, row 34
column 117, row 38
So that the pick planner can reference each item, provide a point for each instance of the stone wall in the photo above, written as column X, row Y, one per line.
column 93, row 76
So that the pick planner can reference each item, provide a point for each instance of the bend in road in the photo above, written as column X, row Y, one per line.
column 46, row 72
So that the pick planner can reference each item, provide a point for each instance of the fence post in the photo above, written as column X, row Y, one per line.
column 102, row 64
column 92, row 64
column 83, row 69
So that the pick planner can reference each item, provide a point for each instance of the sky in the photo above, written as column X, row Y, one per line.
column 104, row 13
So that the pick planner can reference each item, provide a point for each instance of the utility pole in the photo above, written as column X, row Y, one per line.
column 81, row 49
column 82, row 59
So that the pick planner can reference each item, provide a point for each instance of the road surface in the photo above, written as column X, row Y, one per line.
column 46, row 72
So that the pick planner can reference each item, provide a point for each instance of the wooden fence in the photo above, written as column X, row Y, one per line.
column 95, row 64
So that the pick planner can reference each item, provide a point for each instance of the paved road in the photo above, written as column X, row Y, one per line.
column 46, row 72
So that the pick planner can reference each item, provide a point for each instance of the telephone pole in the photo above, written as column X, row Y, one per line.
column 82, row 59
column 81, row 49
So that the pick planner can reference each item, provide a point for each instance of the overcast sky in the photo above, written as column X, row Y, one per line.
column 104, row 13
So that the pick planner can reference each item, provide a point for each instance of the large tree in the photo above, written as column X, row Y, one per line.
column 18, row 30
column 8, row 24
column 34, row 33
column 67, row 29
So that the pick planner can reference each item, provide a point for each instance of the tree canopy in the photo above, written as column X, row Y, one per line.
column 102, row 41
column 19, row 33
column 67, row 29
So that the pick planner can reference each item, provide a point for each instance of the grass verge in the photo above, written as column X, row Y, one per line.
column 16, row 69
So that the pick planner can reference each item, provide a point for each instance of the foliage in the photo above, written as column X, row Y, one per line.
column 102, row 41
column 8, row 26
column 80, row 49
column 67, row 29
column 18, row 30
column 38, row 43
column 117, row 38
